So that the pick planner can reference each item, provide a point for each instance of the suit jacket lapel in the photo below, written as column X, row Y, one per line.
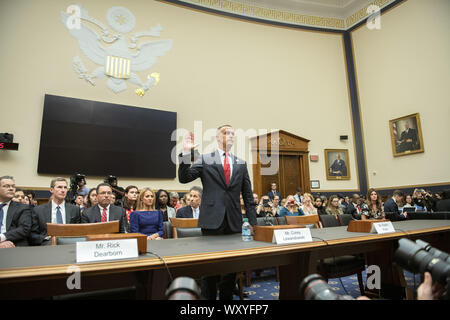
column 67, row 209
column 97, row 214
column 236, row 167
column 48, row 212
column 10, row 214
column 218, row 165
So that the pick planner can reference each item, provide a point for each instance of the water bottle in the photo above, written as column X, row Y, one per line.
column 246, row 231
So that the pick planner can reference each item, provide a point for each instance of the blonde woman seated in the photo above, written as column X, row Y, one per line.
column 146, row 219
column 372, row 208
column 333, row 206
column 291, row 208
column 307, row 204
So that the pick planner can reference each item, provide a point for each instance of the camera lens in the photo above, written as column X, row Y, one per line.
column 314, row 287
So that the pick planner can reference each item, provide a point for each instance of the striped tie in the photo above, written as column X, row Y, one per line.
column 59, row 219
column 104, row 219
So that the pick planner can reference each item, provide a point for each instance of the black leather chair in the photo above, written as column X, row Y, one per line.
column 281, row 220
column 167, row 230
column 345, row 219
column 328, row 220
column 342, row 266
column 189, row 232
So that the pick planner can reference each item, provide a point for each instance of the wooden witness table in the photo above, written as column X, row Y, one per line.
column 32, row 272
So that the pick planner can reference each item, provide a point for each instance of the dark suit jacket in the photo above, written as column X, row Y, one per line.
column 18, row 223
column 93, row 215
column 391, row 206
column 271, row 195
column 353, row 211
column 219, row 201
column 443, row 205
column 185, row 212
column 41, row 215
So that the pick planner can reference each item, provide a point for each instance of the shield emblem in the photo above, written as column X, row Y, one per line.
column 117, row 67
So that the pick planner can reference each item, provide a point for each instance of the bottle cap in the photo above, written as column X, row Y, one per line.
column 245, row 219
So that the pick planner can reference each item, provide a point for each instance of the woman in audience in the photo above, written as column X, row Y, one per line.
column 291, row 208
column 307, row 204
column 333, row 206
column 276, row 208
column 319, row 205
column 129, row 201
column 409, row 202
column 19, row 196
column 162, row 200
column 146, row 219
column 372, row 208
column 92, row 198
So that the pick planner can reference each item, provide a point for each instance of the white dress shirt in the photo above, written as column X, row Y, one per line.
column 107, row 212
column 62, row 208
column 195, row 212
column 3, row 229
column 229, row 158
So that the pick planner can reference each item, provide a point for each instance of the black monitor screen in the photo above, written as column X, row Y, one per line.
column 100, row 139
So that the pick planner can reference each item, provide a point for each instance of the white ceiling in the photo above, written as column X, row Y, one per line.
column 324, row 8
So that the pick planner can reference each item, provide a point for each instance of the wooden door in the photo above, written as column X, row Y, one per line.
column 266, row 180
column 291, row 177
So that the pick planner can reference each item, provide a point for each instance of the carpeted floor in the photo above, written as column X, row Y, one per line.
column 265, row 286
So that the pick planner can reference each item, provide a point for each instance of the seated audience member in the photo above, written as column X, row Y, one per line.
column 79, row 202
column 15, row 218
column 57, row 210
column 409, row 202
column 324, row 202
column 391, row 205
column 243, row 211
column 298, row 195
column 146, row 219
column 104, row 211
column 129, row 200
column 92, row 198
column 193, row 210
column 419, row 201
column 113, row 198
column 32, row 196
column 444, row 203
column 273, row 191
column 307, row 204
column 291, row 208
column 354, row 207
column 162, row 201
column 264, row 207
column 26, row 201
column 175, row 201
column 342, row 203
column 19, row 196
column 372, row 209
column 333, row 206
column 276, row 208
column 318, row 205
column 185, row 201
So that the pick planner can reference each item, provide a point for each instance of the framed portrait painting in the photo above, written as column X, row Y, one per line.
column 406, row 135
column 337, row 164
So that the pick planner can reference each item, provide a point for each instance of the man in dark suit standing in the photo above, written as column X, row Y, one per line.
column 408, row 140
column 57, row 210
column 15, row 218
column 224, row 178
column 193, row 210
column 273, row 191
column 105, row 211
column 391, row 205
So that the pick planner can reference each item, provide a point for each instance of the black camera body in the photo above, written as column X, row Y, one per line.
column 75, row 179
column 314, row 287
column 110, row 179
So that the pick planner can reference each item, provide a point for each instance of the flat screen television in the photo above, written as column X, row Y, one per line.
column 99, row 139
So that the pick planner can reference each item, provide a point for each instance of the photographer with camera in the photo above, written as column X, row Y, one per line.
column 292, row 208
column 119, row 192
column 264, row 208
column 77, row 187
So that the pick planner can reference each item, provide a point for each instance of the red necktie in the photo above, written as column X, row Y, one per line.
column 104, row 219
column 226, row 169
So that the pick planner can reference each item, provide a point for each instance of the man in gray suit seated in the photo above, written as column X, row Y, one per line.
column 15, row 218
column 193, row 210
column 105, row 211
column 57, row 210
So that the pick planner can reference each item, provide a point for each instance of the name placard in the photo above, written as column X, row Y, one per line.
column 382, row 227
column 287, row 236
column 93, row 251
